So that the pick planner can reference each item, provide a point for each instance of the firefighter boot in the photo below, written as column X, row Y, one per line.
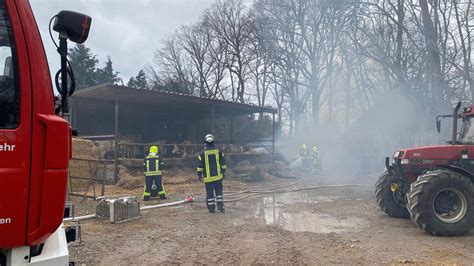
column 220, row 202
column 211, row 205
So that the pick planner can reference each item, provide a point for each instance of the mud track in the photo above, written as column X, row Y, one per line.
column 327, row 226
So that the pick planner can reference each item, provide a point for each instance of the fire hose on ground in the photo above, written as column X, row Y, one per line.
column 233, row 193
column 188, row 199
column 276, row 191
column 253, row 193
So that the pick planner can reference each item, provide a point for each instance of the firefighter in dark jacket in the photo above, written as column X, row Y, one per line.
column 211, row 169
column 153, row 176
column 305, row 158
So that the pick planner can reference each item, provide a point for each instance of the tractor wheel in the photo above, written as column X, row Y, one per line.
column 387, row 199
column 441, row 202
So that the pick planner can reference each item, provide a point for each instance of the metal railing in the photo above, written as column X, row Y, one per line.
column 139, row 150
column 94, row 166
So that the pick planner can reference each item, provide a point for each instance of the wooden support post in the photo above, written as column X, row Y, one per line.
column 232, row 130
column 104, row 168
column 273, row 134
column 116, row 143
column 196, row 135
column 74, row 114
column 213, row 126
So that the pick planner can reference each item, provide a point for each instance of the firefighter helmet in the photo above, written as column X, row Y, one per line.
column 154, row 149
column 209, row 138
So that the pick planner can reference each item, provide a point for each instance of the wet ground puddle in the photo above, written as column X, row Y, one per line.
column 281, row 210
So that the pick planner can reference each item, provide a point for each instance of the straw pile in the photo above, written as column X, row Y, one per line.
column 83, row 149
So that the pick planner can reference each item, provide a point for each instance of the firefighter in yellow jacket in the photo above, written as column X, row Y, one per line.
column 316, row 160
column 153, row 175
column 211, row 169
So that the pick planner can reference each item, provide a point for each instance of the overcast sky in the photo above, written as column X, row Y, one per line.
column 127, row 30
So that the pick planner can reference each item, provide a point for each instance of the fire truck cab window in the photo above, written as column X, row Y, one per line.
column 9, row 89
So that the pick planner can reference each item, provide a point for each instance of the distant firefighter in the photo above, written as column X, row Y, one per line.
column 305, row 158
column 153, row 176
column 315, row 159
column 211, row 169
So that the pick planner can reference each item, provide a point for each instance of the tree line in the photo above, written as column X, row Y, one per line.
column 86, row 70
column 318, row 62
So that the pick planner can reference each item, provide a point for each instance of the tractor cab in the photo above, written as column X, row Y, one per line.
column 434, row 185
column 466, row 135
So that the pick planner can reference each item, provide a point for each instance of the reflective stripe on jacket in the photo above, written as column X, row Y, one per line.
column 153, row 165
column 211, row 164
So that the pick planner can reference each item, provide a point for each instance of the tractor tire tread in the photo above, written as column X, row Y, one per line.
column 385, row 199
column 420, row 198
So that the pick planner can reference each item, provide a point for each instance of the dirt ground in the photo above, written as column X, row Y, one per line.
column 324, row 226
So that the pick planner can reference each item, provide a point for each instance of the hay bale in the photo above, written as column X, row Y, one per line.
column 243, row 168
column 83, row 148
column 130, row 180
column 253, row 175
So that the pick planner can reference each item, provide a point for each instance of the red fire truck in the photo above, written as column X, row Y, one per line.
column 35, row 143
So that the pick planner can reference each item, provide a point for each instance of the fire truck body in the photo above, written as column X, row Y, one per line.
column 35, row 146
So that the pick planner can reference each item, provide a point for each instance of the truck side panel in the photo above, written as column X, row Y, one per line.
column 15, row 151
column 50, row 142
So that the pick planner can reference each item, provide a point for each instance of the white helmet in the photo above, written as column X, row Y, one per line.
column 209, row 138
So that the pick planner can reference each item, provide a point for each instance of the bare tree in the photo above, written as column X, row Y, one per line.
column 196, row 43
column 431, row 39
column 313, row 58
column 463, row 42
column 173, row 67
column 232, row 24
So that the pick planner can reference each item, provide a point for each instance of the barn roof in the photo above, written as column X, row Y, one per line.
column 166, row 103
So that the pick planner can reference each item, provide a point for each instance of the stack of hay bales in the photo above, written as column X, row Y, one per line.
column 82, row 149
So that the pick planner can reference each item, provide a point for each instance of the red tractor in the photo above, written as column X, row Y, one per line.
column 35, row 143
column 434, row 185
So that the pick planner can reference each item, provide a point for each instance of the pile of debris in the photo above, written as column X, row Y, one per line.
column 248, row 172
column 279, row 169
